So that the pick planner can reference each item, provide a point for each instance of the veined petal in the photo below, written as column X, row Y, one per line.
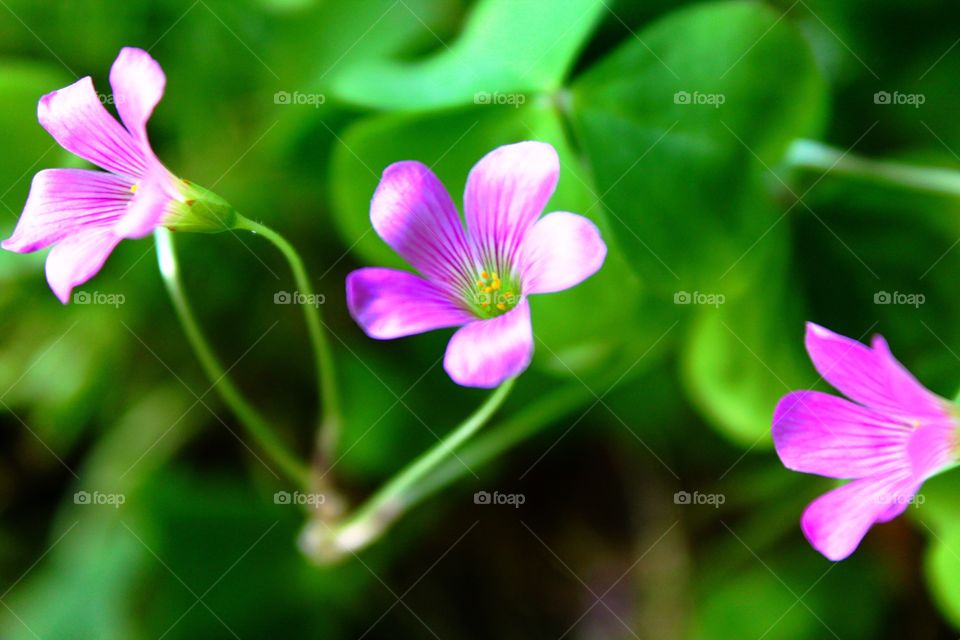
column 138, row 82
column 837, row 521
column 506, row 192
column 872, row 377
column 64, row 201
column 77, row 258
column 413, row 213
column 485, row 353
column 815, row 432
column 151, row 200
column 387, row 303
column 77, row 120
column 560, row 251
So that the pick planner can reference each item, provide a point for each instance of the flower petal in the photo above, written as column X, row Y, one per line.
column 815, row 432
column 560, row 251
column 148, row 206
column 63, row 201
column 77, row 258
column 413, row 213
column 872, row 377
column 485, row 353
column 837, row 521
column 77, row 120
column 387, row 304
column 506, row 192
column 138, row 82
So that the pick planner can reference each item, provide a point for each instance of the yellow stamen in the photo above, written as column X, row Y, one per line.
column 495, row 285
column 484, row 275
column 501, row 306
column 133, row 189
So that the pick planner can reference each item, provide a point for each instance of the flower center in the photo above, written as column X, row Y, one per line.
column 493, row 296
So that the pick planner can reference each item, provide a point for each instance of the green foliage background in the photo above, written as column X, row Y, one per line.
column 660, row 397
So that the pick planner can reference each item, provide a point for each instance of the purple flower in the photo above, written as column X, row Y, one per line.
column 477, row 278
column 85, row 213
column 888, row 441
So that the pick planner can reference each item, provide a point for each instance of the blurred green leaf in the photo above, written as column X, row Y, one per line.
column 677, row 122
column 507, row 48
column 83, row 590
column 22, row 84
column 788, row 597
column 942, row 568
column 745, row 352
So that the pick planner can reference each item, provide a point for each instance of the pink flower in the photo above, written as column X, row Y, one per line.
column 476, row 278
column 889, row 440
column 85, row 213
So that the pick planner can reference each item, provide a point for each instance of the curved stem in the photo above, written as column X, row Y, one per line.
column 328, row 396
column 808, row 154
column 325, row 542
column 256, row 426
column 503, row 437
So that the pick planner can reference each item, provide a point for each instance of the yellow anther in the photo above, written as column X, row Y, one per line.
column 133, row 189
column 488, row 289
column 495, row 276
column 495, row 285
column 501, row 306
column 481, row 284
column 484, row 275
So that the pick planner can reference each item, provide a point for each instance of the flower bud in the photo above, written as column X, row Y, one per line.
column 199, row 210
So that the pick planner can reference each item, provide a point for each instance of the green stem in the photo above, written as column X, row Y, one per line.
column 325, row 542
column 256, row 426
column 811, row 155
column 503, row 437
column 328, row 396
